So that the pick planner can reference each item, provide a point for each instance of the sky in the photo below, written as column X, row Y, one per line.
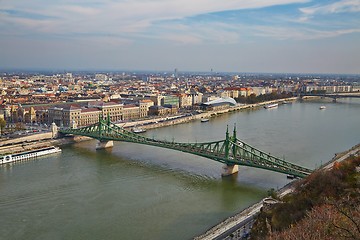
column 291, row 36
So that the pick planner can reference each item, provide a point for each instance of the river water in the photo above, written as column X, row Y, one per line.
column 135, row 191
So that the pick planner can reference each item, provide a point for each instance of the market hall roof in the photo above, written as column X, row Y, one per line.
column 231, row 101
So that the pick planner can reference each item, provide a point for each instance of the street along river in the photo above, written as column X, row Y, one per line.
column 140, row 192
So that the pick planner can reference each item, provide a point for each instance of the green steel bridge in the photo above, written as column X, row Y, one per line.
column 230, row 151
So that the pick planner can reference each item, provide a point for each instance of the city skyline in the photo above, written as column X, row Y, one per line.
column 295, row 36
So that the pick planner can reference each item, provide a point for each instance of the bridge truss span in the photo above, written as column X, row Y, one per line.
column 230, row 151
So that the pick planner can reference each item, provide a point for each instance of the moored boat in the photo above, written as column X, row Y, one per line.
column 204, row 120
column 274, row 105
column 28, row 154
column 138, row 130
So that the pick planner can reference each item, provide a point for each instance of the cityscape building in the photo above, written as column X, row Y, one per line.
column 79, row 98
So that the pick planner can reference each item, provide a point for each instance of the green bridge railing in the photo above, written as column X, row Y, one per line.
column 230, row 151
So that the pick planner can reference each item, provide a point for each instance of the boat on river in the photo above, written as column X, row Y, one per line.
column 138, row 130
column 290, row 176
column 27, row 155
column 204, row 120
column 274, row 105
column 322, row 107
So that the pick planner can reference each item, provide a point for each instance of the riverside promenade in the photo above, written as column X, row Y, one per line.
column 173, row 120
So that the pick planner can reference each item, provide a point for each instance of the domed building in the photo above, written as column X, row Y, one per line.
column 218, row 104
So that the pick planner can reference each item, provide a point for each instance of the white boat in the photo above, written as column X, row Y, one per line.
column 204, row 120
column 322, row 107
column 28, row 154
column 274, row 105
column 138, row 130
column 290, row 176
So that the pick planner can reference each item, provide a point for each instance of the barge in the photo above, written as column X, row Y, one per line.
column 14, row 157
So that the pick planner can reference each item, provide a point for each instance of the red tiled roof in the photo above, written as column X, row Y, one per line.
column 72, row 107
column 86, row 110
column 129, row 106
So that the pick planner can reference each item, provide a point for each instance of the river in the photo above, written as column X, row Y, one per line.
column 140, row 192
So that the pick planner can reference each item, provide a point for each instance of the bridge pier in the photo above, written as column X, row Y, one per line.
column 102, row 144
column 230, row 170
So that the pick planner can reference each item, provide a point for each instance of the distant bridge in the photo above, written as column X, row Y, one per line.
column 230, row 151
column 334, row 96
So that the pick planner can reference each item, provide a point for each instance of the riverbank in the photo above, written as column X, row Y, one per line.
column 252, row 211
column 179, row 119
column 21, row 145
column 26, row 143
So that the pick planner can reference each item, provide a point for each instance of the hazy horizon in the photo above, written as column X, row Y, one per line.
column 169, row 71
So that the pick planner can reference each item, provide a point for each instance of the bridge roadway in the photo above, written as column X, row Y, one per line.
column 231, row 151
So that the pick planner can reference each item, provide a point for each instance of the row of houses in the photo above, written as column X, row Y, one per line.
column 124, row 107
column 78, row 115
column 81, row 114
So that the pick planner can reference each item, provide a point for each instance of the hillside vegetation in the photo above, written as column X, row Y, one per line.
column 252, row 99
column 325, row 205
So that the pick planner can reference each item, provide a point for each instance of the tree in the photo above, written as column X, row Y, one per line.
column 272, row 193
column 325, row 205
column 19, row 126
column 327, row 221
column 2, row 125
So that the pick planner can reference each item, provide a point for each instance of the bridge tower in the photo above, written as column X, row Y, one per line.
column 103, row 143
column 230, row 169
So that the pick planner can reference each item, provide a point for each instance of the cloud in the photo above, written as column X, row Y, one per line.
column 25, row 14
column 125, row 21
column 79, row 10
column 199, row 32
column 284, row 33
column 119, row 17
column 336, row 7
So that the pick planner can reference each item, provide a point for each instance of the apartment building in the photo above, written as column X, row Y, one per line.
column 144, row 106
column 170, row 100
column 131, row 111
column 89, row 116
column 113, row 109
column 65, row 115
column 159, row 110
column 77, row 115
column 185, row 100
column 328, row 89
